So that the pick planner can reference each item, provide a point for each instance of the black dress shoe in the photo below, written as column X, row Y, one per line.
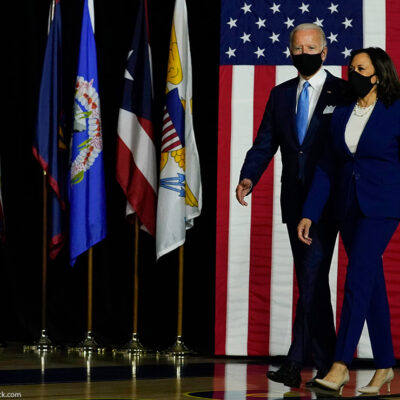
column 321, row 373
column 288, row 374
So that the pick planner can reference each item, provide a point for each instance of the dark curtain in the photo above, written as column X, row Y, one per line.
column 21, row 255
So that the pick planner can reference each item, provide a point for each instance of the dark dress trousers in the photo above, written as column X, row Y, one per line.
column 313, row 329
column 367, row 207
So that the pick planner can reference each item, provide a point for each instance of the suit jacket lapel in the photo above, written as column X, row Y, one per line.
column 378, row 110
column 291, row 100
column 323, row 101
column 366, row 131
column 345, row 119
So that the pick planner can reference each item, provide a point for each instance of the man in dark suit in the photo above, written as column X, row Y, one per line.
column 296, row 119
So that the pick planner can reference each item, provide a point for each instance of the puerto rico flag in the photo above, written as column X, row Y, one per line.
column 256, row 290
column 136, row 155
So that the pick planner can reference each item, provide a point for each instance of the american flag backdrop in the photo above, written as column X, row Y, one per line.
column 256, row 290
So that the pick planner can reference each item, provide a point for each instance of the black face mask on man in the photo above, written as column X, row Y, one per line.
column 307, row 64
column 360, row 84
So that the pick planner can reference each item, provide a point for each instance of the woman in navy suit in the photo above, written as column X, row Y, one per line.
column 362, row 169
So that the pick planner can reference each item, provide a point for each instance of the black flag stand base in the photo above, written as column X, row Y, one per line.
column 133, row 347
column 42, row 345
column 178, row 349
column 89, row 345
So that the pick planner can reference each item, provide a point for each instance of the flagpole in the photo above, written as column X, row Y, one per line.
column 44, row 253
column 89, row 344
column 90, row 290
column 134, row 346
column 51, row 14
column 136, row 278
column 44, row 343
column 87, row 180
column 45, row 218
column 179, row 349
column 180, row 292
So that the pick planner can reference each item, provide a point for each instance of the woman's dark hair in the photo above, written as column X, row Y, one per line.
column 388, row 88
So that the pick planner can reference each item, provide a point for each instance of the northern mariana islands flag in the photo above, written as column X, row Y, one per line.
column 86, row 178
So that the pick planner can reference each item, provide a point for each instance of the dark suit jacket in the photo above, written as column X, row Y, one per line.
column 278, row 129
column 374, row 169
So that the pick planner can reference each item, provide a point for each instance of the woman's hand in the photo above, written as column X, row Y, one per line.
column 303, row 230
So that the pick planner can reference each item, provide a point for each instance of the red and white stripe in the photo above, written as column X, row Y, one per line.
column 136, row 167
column 256, row 291
column 170, row 139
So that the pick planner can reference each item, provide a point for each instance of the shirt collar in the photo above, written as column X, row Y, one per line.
column 316, row 81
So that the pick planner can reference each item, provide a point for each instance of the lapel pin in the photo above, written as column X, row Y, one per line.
column 329, row 91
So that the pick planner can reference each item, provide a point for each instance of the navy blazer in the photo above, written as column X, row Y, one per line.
column 374, row 168
column 278, row 129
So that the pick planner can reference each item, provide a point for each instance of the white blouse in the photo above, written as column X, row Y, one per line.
column 356, row 124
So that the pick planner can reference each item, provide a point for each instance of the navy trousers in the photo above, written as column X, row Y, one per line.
column 314, row 334
column 365, row 298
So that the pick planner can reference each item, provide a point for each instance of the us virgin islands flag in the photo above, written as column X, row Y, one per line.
column 179, row 196
column 86, row 178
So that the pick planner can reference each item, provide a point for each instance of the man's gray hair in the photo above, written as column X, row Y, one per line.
column 302, row 27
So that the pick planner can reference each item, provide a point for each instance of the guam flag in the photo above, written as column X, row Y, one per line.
column 86, row 178
column 179, row 196
column 49, row 146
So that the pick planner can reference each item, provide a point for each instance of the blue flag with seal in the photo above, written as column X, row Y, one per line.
column 49, row 146
column 86, row 177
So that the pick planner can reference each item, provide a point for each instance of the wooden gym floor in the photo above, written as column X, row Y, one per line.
column 67, row 375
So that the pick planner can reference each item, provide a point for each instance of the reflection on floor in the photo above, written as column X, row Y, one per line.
column 66, row 376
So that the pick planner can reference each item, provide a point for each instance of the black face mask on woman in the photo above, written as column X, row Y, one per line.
column 360, row 84
column 307, row 64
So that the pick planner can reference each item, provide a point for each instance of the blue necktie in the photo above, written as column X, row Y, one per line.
column 302, row 112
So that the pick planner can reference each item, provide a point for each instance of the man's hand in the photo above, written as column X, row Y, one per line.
column 303, row 230
column 242, row 190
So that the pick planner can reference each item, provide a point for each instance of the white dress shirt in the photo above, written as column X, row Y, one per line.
column 314, row 90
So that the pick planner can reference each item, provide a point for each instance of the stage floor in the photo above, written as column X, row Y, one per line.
column 66, row 376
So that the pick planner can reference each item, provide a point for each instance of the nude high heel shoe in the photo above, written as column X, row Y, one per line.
column 375, row 389
column 334, row 386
